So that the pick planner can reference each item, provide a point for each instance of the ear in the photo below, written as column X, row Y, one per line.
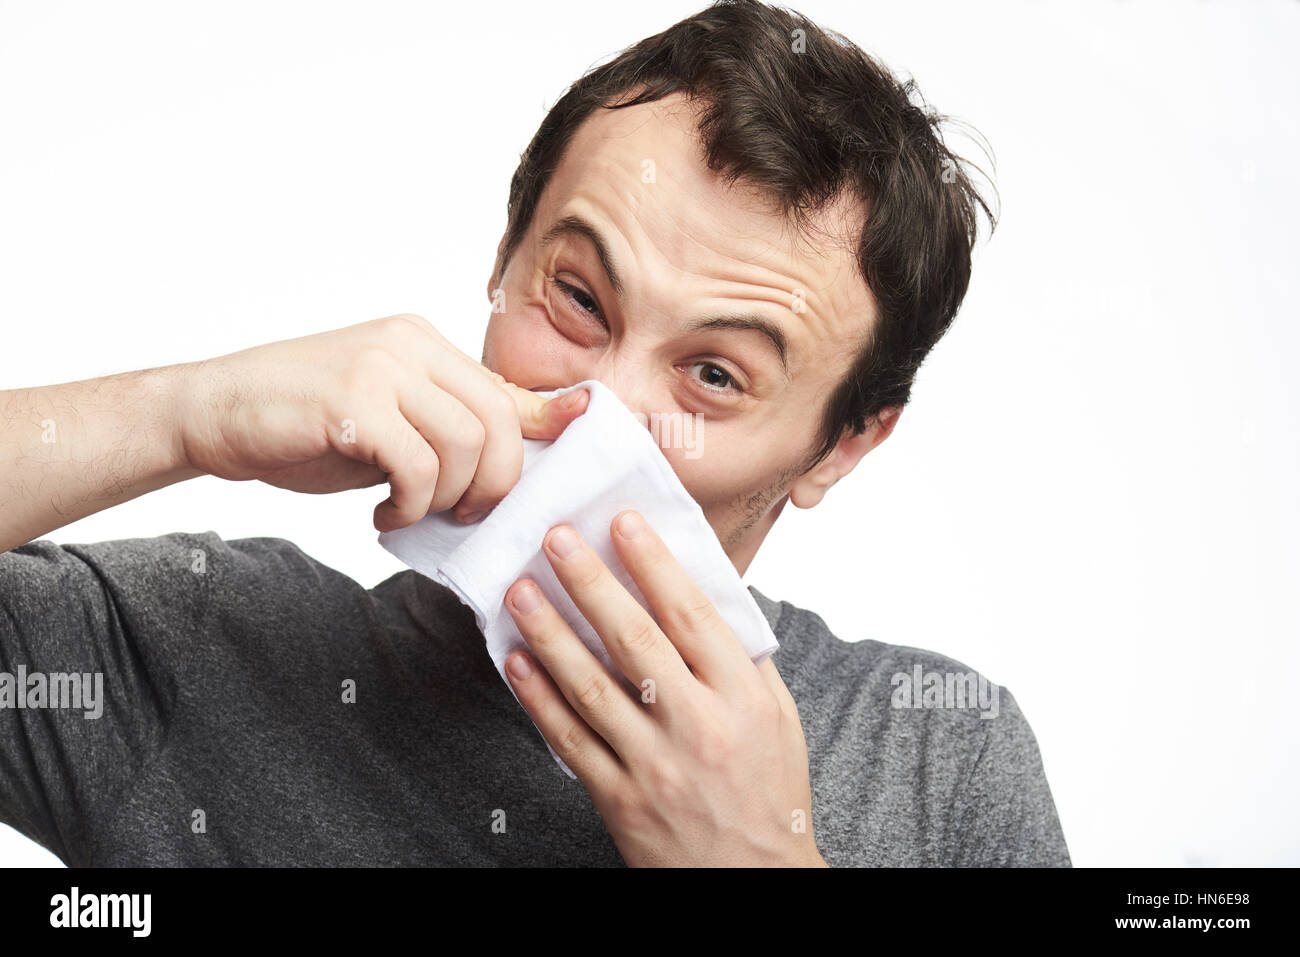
column 494, row 281
column 811, row 487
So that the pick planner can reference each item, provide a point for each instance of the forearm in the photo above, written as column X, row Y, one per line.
column 70, row 450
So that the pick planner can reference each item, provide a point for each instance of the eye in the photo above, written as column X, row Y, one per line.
column 715, row 377
column 580, row 298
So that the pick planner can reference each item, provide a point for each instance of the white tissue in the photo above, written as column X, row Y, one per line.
column 605, row 461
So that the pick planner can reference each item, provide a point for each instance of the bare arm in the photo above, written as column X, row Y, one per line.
column 389, row 400
column 70, row 450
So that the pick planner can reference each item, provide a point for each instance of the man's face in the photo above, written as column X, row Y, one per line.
column 686, row 251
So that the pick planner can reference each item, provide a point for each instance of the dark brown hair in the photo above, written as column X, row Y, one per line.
column 805, row 115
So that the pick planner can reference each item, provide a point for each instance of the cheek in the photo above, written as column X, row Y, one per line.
column 521, row 345
column 720, row 461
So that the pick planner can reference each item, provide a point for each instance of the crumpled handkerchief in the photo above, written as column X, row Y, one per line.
column 605, row 461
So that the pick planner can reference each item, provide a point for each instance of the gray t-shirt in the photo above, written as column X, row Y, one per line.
column 226, row 738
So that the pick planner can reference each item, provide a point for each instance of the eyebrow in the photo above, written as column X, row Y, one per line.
column 579, row 227
column 752, row 324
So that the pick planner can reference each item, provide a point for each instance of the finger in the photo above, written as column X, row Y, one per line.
column 638, row 648
column 584, row 751
column 594, row 693
column 391, row 443
column 508, row 413
column 501, row 453
column 412, row 467
column 453, row 431
column 501, row 462
column 543, row 418
column 698, row 632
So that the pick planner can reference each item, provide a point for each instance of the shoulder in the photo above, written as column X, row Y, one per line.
column 170, row 584
column 917, row 729
column 193, row 552
column 874, row 673
column 159, row 554
column 205, row 558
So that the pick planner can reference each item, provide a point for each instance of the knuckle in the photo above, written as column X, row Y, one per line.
column 425, row 468
column 570, row 742
column 640, row 638
column 694, row 612
column 470, row 435
column 593, row 693
column 405, row 322
column 588, row 577
column 495, row 376
column 541, row 639
column 502, row 408
column 403, row 333
column 414, row 493
column 493, row 485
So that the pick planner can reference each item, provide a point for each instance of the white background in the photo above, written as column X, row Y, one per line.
column 1092, row 499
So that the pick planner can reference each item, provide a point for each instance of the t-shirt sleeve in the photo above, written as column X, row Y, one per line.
column 94, row 641
column 1007, row 817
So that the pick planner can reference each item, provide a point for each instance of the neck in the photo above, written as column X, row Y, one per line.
column 742, row 548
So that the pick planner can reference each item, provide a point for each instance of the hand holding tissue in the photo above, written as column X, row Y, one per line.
column 604, row 462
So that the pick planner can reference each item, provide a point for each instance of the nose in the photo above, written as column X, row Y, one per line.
column 629, row 375
column 628, row 378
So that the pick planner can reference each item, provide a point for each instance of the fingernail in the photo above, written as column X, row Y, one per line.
column 631, row 524
column 526, row 599
column 564, row 542
column 570, row 401
column 519, row 666
column 472, row 517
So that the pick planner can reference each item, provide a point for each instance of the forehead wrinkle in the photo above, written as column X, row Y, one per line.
column 656, row 225
column 733, row 281
column 801, row 263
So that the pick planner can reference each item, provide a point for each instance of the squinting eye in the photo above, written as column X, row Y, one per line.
column 716, row 377
column 583, row 300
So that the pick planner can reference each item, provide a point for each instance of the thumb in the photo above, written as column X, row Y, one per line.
column 541, row 417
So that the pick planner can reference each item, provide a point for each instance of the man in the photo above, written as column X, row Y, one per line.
column 744, row 218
